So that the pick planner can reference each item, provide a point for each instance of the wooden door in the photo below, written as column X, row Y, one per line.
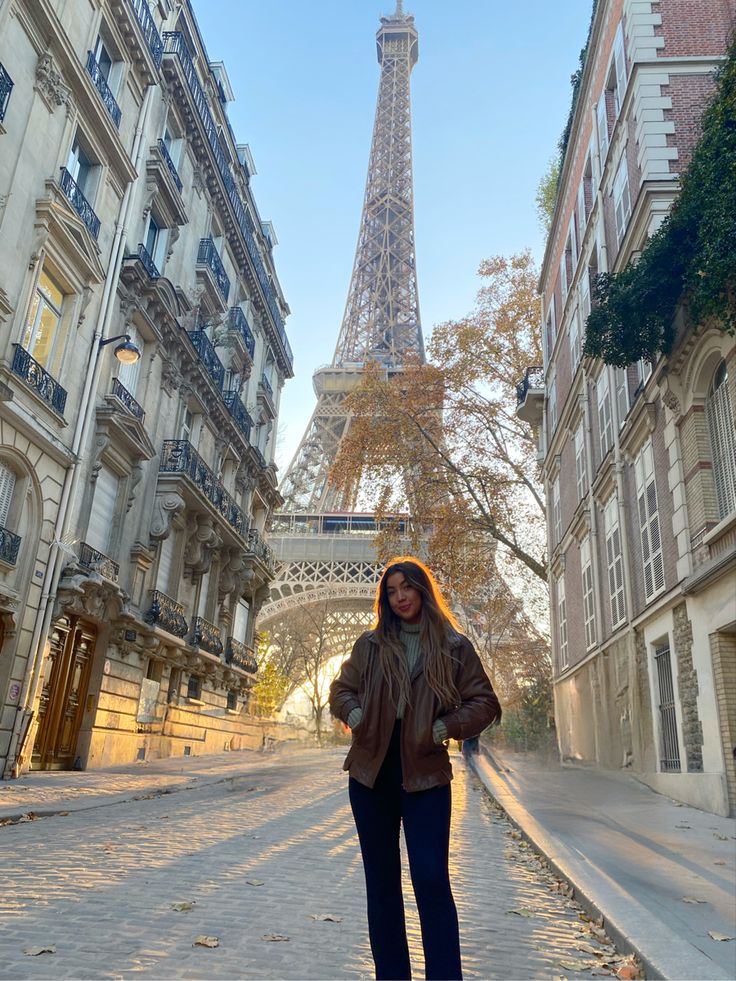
column 65, row 682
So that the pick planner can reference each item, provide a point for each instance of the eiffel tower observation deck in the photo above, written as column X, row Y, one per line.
column 323, row 546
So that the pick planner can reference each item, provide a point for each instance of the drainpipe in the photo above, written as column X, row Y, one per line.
column 44, row 614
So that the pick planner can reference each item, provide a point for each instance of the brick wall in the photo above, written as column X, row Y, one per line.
column 689, row 95
column 694, row 27
column 723, row 654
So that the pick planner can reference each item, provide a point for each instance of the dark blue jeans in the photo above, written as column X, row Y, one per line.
column 426, row 818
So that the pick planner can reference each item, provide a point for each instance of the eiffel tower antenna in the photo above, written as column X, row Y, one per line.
column 381, row 322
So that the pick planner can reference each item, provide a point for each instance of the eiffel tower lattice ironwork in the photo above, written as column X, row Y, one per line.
column 324, row 547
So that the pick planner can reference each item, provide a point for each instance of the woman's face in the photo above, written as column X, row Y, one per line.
column 403, row 598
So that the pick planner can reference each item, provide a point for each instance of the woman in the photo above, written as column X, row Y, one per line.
column 409, row 684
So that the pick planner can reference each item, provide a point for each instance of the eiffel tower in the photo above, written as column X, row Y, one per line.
column 323, row 547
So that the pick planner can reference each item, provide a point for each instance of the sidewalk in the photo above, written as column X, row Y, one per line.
column 660, row 873
column 46, row 792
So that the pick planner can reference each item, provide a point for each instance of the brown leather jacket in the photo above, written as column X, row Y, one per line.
column 361, row 684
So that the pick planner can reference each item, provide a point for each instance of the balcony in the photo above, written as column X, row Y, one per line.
column 37, row 378
column 94, row 561
column 79, row 202
column 530, row 396
column 6, row 87
column 148, row 29
column 122, row 393
column 9, row 546
column 262, row 551
column 143, row 255
column 239, row 413
column 163, row 150
column 203, row 346
column 176, row 47
column 237, row 322
column 166, row 613
column 179, row 456
column 208, row 259
column 264, row 394
column 239, row 656
column 100, row 82
column 206, row 635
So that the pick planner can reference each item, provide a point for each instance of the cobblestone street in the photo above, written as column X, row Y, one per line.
column 259, row 855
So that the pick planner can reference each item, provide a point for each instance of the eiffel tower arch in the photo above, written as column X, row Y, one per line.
column 323, row 546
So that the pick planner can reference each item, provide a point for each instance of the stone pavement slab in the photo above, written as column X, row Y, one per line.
column 661, row 873
column 257, row 856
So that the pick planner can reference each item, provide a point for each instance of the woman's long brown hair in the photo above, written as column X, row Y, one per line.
column 436, row 628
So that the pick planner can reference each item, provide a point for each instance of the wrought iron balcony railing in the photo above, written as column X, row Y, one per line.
column 79, row 202
column 237, row 655
column 206, row 635
column 120, row 391
column 148, row 27
column 207, row 356
column 147, row 262
column 9, row 545
column 260, row 549
column 90, row 558
column 236, row 320
column 179, row 456
column 27, row 368
column 170, row 164
column 239, row 413
column 167, row 614
column 95, row 73
column 209, row 256
column 6, row 87
column 175, row 44
column 533, row 378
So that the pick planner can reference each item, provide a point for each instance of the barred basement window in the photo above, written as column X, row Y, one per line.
column 719, row 415
column 588, row 601
column 615, row 562
column 651, row 541
column 194, row 688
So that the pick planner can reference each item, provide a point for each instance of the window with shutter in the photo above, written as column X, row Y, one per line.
column 582, row 214
column 575, row 338
column 103, row 510
column 719, row 416
column 605, row 423
column 562, row 622
column 615, row 563
column 588, row 602
column 563, row 278
column 7, row 486
column 240, row 624
column 622, row 395
column 602, row 117
column 580, row 468
column 619, row 61
column 651, row 542
column 621, row 199
column 165, row 566
column 552, row 402
column 556, row 511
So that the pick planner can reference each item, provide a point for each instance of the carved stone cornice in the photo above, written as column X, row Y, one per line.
column 87, row 594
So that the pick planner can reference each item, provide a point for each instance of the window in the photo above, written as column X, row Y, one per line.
column 562, row 622
column 719, row 415
column 574, row 332
column 550, row 333
column 240, row 621
column 643, row 371
column 621, row 199
column 556, row 512
column 602, row 120
column 173, row 146
column 668, row 739
column 586, row 566
column 43, row 336
column 156, row 239
column 563, row 277
column 82, row 169
column 187, row 425
column 615, row 562
column 580, row 467
column 7, row 486
column 232, row 701
column 102, row 515
column 165, row 565
column 651, row 542
column 605, row 422
column 194, row 687
column 552, row 403
column 581, row 211
column 619, row 70
column 622, row 394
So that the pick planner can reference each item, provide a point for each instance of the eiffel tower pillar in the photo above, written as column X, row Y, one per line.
column 381, row 324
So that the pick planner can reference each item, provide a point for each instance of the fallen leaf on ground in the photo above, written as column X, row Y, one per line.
column 254, row 882
column 719, row 863
column 35, row 951
column 572, row 965
column 182, row 907
column 325, row 917
column 203, row 941
column 274, row 937
column 62, row 814
column 692, row 899
column 720, row 837
column 522, row 911
column 30, row 816
column 719, row 936
column 628, row 972
column 589, row 949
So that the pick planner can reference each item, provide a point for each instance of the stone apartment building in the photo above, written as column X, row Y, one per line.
column 134, row 490
column 639, row 464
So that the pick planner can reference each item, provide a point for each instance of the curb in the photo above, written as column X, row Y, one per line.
column 633, row 928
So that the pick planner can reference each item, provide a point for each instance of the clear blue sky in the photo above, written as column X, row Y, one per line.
column 490, row 96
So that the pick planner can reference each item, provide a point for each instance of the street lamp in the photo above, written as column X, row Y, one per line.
column 127, row 352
